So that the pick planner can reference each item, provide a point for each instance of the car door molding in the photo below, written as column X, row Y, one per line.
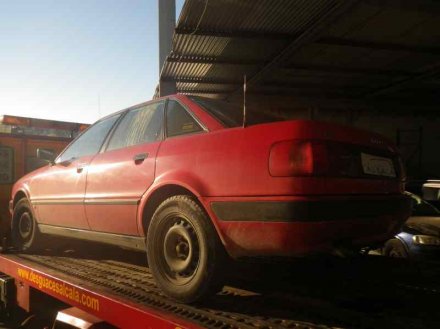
column 127, row 241
column 90, row 201
column 46, row 202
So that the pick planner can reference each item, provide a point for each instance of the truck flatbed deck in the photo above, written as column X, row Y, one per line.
column 125, row 295
column 365, row 292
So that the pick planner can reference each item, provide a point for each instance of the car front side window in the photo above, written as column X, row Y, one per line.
column 90, row 141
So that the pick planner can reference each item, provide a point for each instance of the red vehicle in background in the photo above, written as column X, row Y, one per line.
column 181, row 178
column 20, row 138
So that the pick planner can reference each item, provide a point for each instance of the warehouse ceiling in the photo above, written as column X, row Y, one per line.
column 369, row 50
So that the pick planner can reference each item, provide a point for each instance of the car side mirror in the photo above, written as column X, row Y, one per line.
column 46, row 155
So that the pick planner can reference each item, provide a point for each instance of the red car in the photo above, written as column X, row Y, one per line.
column 181, row 178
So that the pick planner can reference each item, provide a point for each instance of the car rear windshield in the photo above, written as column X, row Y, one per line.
column 231, row 115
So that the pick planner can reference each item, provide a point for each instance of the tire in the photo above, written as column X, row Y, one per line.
column 395, row 248
column 184, row 252
column 25, row 234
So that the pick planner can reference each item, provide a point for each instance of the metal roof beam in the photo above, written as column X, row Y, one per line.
column 202, row 91
column 201, row 80
column 184, row 59
column 340, row 70
column 267, row 84
column 388, row 105
column 211, row 60
column 235, row 34
column 227, row 93
column 414, row 5
column 332, row 41
column 433, row 70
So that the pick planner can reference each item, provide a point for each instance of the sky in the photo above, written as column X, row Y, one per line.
column 77, row 60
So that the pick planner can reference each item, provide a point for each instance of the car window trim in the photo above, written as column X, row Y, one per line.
column 111, row 132
column 82, row 133
column 191, row 113
column 104, row 147
column 201, row 125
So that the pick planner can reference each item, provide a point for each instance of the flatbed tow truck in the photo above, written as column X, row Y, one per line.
column 95, row 286
column 88, row 285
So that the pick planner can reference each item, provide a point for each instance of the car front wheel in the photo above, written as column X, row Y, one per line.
column 184, row 252
column 25, row 233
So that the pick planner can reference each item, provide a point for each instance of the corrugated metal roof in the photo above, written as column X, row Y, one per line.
column 329, row 48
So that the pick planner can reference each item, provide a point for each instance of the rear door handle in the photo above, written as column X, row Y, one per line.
column 139, row 158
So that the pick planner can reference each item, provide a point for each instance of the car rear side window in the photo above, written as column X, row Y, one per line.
column 141, row 125
column 90, row 141
column 179, row 121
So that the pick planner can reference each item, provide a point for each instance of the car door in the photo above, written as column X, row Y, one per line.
column 58, row 192
column 120, row 175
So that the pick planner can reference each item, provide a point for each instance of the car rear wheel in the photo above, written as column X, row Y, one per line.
column 25, row 233
column 394, row 248
column 184, row 252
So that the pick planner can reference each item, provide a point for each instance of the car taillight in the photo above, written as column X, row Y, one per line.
column 298, row 158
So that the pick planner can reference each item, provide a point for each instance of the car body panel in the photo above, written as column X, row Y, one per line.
column 115, row 185
column 58, row 192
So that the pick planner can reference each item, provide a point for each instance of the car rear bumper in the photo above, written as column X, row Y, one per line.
column 298, row 226
column 306, row 210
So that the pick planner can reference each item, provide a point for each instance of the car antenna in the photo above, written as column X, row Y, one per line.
column 244, row 101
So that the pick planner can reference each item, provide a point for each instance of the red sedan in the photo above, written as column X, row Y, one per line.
column 181, row 178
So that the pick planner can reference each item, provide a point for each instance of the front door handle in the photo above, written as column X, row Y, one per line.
column 139, row 158
column 79, row 169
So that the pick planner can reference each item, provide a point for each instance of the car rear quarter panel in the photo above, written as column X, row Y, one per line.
column 234, row 162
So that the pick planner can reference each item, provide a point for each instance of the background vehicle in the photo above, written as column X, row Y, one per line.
column 20, row 138
column 198, row 185
column 431, row 192
column 420, row 236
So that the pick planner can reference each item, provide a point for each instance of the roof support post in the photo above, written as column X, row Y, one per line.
column 167, row 23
